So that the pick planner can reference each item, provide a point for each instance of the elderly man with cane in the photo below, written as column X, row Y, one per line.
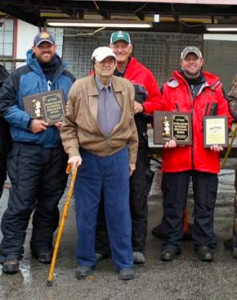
column 99, row 134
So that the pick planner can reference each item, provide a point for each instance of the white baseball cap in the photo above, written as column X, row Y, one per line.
column 101, row 53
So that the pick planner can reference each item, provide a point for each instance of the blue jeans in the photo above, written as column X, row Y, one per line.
column 112, row 174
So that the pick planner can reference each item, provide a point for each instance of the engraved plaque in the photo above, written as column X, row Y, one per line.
column 181, row 128
column 172, row 125
column 49, row 106
column 215, row 131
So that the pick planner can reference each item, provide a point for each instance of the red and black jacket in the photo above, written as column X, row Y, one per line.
column 177, row 96
column 146, row 92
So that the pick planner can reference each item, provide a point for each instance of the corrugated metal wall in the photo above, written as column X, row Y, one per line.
column 221, row 59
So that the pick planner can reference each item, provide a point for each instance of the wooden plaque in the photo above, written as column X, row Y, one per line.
column 215, row 131
column 48, row 106
column 172, row 125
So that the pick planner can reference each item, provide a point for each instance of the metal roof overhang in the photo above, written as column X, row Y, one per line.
column 192, row 11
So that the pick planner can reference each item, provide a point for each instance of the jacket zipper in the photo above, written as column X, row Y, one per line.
column 191, row 102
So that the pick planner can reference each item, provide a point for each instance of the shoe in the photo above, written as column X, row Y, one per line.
column 83, row 271
column 204, row 253
column 169, row 253
column 158, row 232
column 99, row 257
column 138, row 258
column 126, row 274
column 10, row 266
column 228, row 244
column 43, row 257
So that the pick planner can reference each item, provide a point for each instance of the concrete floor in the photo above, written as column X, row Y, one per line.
column 184, row 278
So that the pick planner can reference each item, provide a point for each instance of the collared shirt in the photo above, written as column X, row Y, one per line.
column 109, row 112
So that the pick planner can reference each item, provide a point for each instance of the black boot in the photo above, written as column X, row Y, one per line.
column 10, row 266
column 204, row 253
column 228, row 244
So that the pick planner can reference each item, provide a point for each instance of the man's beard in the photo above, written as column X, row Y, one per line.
column 47, row 60
column 192, row 75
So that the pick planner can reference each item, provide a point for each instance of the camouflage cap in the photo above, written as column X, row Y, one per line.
column 191, row 49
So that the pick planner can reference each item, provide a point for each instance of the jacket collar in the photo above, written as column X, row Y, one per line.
column 212, row 80
column 33, row 63
column 93, row 90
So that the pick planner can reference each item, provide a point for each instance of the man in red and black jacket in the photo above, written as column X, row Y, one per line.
column 200, row 93
column 147, row 99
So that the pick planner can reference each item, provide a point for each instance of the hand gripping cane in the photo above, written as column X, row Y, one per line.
column 62, row 223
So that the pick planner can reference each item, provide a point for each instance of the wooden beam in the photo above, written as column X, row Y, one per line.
column 213, row 2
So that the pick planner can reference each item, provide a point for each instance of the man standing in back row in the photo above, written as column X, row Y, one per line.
column 147, row 98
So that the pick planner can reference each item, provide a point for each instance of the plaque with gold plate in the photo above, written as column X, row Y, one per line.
column 215, row 131
column 48, row 106
column 172, row 125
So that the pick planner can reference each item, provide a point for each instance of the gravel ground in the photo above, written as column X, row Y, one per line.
column 184, row 278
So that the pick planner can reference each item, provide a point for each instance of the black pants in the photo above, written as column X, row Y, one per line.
column 3, row 172
column 5, row 146
column 38, row 181
column 139, row 189
column 175, row 187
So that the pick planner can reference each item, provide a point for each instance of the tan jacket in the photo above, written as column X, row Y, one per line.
column 80, row 127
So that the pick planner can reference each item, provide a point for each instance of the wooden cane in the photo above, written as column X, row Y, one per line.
column 229, row 148
column 62, row 223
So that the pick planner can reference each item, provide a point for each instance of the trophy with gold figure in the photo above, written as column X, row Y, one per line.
column 172, row 125
column 166, row 128
column 37, row 107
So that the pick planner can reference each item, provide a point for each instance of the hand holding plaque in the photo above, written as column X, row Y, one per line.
column 172, row 125
column 49, row 106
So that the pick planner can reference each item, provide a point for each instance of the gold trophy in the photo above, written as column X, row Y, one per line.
column 172, row 125
column 166, row 128
column 37, row 106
